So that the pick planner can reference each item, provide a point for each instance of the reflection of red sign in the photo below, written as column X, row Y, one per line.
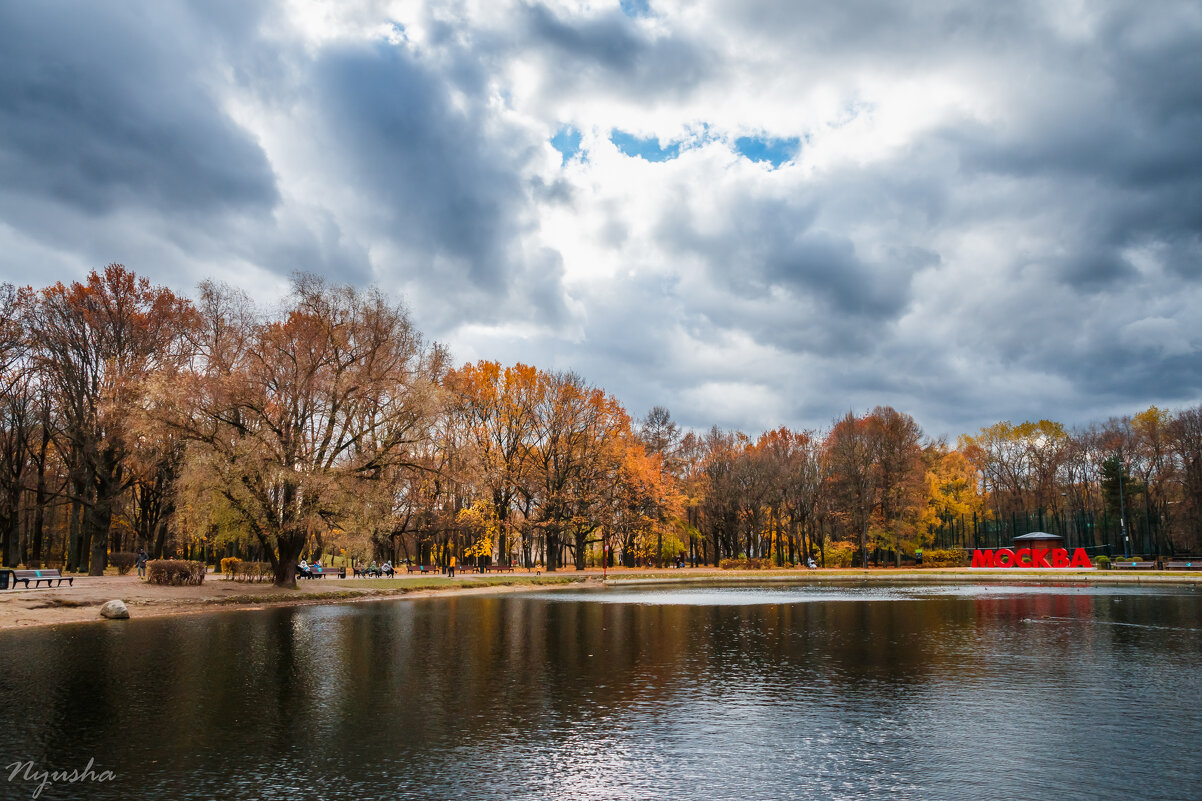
column 1030, row 557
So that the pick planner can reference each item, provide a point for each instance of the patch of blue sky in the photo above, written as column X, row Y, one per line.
column 648, row 149
column 567, row 142
column 774, row 151
column 635, row 8
column 396, row 33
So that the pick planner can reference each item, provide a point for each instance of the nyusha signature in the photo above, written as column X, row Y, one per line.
column 28, row 772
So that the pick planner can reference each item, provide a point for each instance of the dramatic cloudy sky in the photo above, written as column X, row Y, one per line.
column 754, row 212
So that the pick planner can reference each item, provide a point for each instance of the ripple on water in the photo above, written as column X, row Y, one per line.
column 800, row 594
column 850, row 692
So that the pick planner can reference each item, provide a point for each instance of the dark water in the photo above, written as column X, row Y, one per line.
column 976, row 692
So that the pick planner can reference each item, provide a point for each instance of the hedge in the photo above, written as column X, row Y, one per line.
column 124, row 561
column 745, row 564
column 238, row 570
column 945, row 558
column 175, row 572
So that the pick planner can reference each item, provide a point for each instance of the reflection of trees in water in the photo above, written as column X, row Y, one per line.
column 401, row 687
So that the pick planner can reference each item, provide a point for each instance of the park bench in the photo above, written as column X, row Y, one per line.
column 1133, row 564
column 1188, row 563
column 38, row 576
column 499, row 568
column 364, row 572
column 322, row 572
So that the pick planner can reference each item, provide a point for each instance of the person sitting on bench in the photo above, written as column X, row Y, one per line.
column 386, row 568
column 303, row 569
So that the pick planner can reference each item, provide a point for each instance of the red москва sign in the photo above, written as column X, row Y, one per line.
column 1030, row 557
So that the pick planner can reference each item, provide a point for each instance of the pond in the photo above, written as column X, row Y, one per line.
column 659, row 692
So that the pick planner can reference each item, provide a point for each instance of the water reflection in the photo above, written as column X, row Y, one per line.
column 782, row 692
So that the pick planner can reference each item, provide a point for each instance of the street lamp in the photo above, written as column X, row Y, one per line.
column 1067, row 517
column 1123, row 506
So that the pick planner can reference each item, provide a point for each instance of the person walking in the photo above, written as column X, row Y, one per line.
column 451, row 566
column 143, row 557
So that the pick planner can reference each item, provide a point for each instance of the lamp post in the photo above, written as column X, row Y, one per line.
column 1123, row 506
column 1067, row 518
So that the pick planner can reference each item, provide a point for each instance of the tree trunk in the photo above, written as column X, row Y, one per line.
column 76, row 555
column 96, row 527
column 864, row 546
column 11, row 527
column 160, row 538
column 580, row 546
column 290, row 547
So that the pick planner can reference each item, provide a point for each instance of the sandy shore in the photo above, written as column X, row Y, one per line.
column 81, row 602
column 21, row 608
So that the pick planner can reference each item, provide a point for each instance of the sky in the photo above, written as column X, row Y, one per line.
column 752, row 212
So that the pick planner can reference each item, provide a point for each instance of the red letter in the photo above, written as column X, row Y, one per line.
column 1059, row 557
column 1039, row 557
column 1007, row 554
column 982, row 558
column 1020, row 561
column 1081, row 559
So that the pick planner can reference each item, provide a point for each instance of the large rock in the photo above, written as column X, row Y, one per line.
column 115, row 610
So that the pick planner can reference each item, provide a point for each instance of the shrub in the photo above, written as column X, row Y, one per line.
column 1102, row 562
column 175, row 572
column 234, row 568
column 838, row 554
column 952, row 557
column 253, row 571
column 745, row 564
column 124, row 561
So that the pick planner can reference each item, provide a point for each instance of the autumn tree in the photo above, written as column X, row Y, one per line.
column 952, row 487
column 579, row 431
column 853, row 476
column 18, row 419
column 1184, row 437
column 296, row 415
column 660, row 437
column 897, row 446
column 1020, row 464
column 644, row 505
column 95, row 343
column 498, row 408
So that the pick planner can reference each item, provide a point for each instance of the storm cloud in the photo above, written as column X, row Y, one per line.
column 969, row 212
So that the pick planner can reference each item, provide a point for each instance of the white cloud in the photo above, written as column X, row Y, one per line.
column 988, row 216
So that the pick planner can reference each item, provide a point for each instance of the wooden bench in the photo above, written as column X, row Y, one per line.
column 38, row 576
column 1132, row 564
column 322, row 572
column 412, row 568
column 1184, row 564
column 499, row 568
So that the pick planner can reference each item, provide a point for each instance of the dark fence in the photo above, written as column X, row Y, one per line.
column 1100, row 533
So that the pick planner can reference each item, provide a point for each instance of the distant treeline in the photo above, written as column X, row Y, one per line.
column 328, row 427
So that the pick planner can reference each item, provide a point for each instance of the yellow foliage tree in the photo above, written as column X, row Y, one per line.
column 480, row 522
column 953, row 487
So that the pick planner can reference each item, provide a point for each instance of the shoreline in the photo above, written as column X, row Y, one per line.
column 48, row 608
